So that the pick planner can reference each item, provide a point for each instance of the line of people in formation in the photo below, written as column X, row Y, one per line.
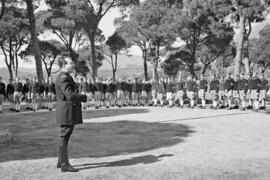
column 239, row 92
column 37, row 96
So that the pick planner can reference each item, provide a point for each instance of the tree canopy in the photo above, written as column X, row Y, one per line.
column 191, row 34
column 115, row 45
column 259, row 53
column 205, row 32
column 243, row 14
column 14, row 34
column 50, row 51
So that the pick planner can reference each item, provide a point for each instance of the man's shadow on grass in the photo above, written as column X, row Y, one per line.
column 147, row 159
column 35, row 135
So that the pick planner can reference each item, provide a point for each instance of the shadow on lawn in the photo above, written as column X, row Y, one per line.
column 35, row 135
column 148, row 159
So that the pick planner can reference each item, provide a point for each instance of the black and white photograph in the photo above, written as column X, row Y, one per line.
column 134, row 89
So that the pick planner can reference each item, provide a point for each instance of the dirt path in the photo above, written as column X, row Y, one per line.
column 224, row 145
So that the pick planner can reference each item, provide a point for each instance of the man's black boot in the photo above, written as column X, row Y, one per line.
column 65, row 167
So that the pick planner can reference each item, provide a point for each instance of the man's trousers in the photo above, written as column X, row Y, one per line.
column 65, row 133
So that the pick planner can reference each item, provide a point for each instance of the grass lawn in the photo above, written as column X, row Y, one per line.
column 35, row 135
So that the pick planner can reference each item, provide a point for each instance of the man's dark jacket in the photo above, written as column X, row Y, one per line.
column 68, row 106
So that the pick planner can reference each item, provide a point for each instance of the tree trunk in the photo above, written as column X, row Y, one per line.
column 204, row 69
column 93, row 52
column 193, row 60
column 156, row 59
column 247, row 65
column 48, row 70
column 113, row 73
column 13, row 71
column 115, row 65
column 16, row 64
column 73, row 55
column 31, row 17
column 145, row 65
column 246, row 59
column 9, row 65
column 12, row 64
column 12, row 61
column 10, row 72
column 155, row 70
column 11, row 68
column 192, row 71
column 240, row 46
column 155, row 65
column 3, row 5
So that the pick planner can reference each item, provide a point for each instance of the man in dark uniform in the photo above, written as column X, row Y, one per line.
column 250, row 82
column 129, row 87
column 161, row 91
column 236, row 92
column 135, row 92
column 154, row 88
column 35, row 93
column 191, row 91
column 112, row 88
column 9, row 95
column 148, row 92
column 42, row 95
column 243, row 88
column 89, row 92
column 203, row 85
column 103, row 92
column 255, row 91
column 263, row 92
column 120, row 92
column 26, row 93
column 143, row 92
column 68, row 111
column 180, row 91
column 169, row 92
column 107, row 93
column 97, row 90
column 214, row 89
column 101, row 87
column 125, row 92
column 229, row 84
column 18, row 88
column 221, row 93
column 2, row 93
